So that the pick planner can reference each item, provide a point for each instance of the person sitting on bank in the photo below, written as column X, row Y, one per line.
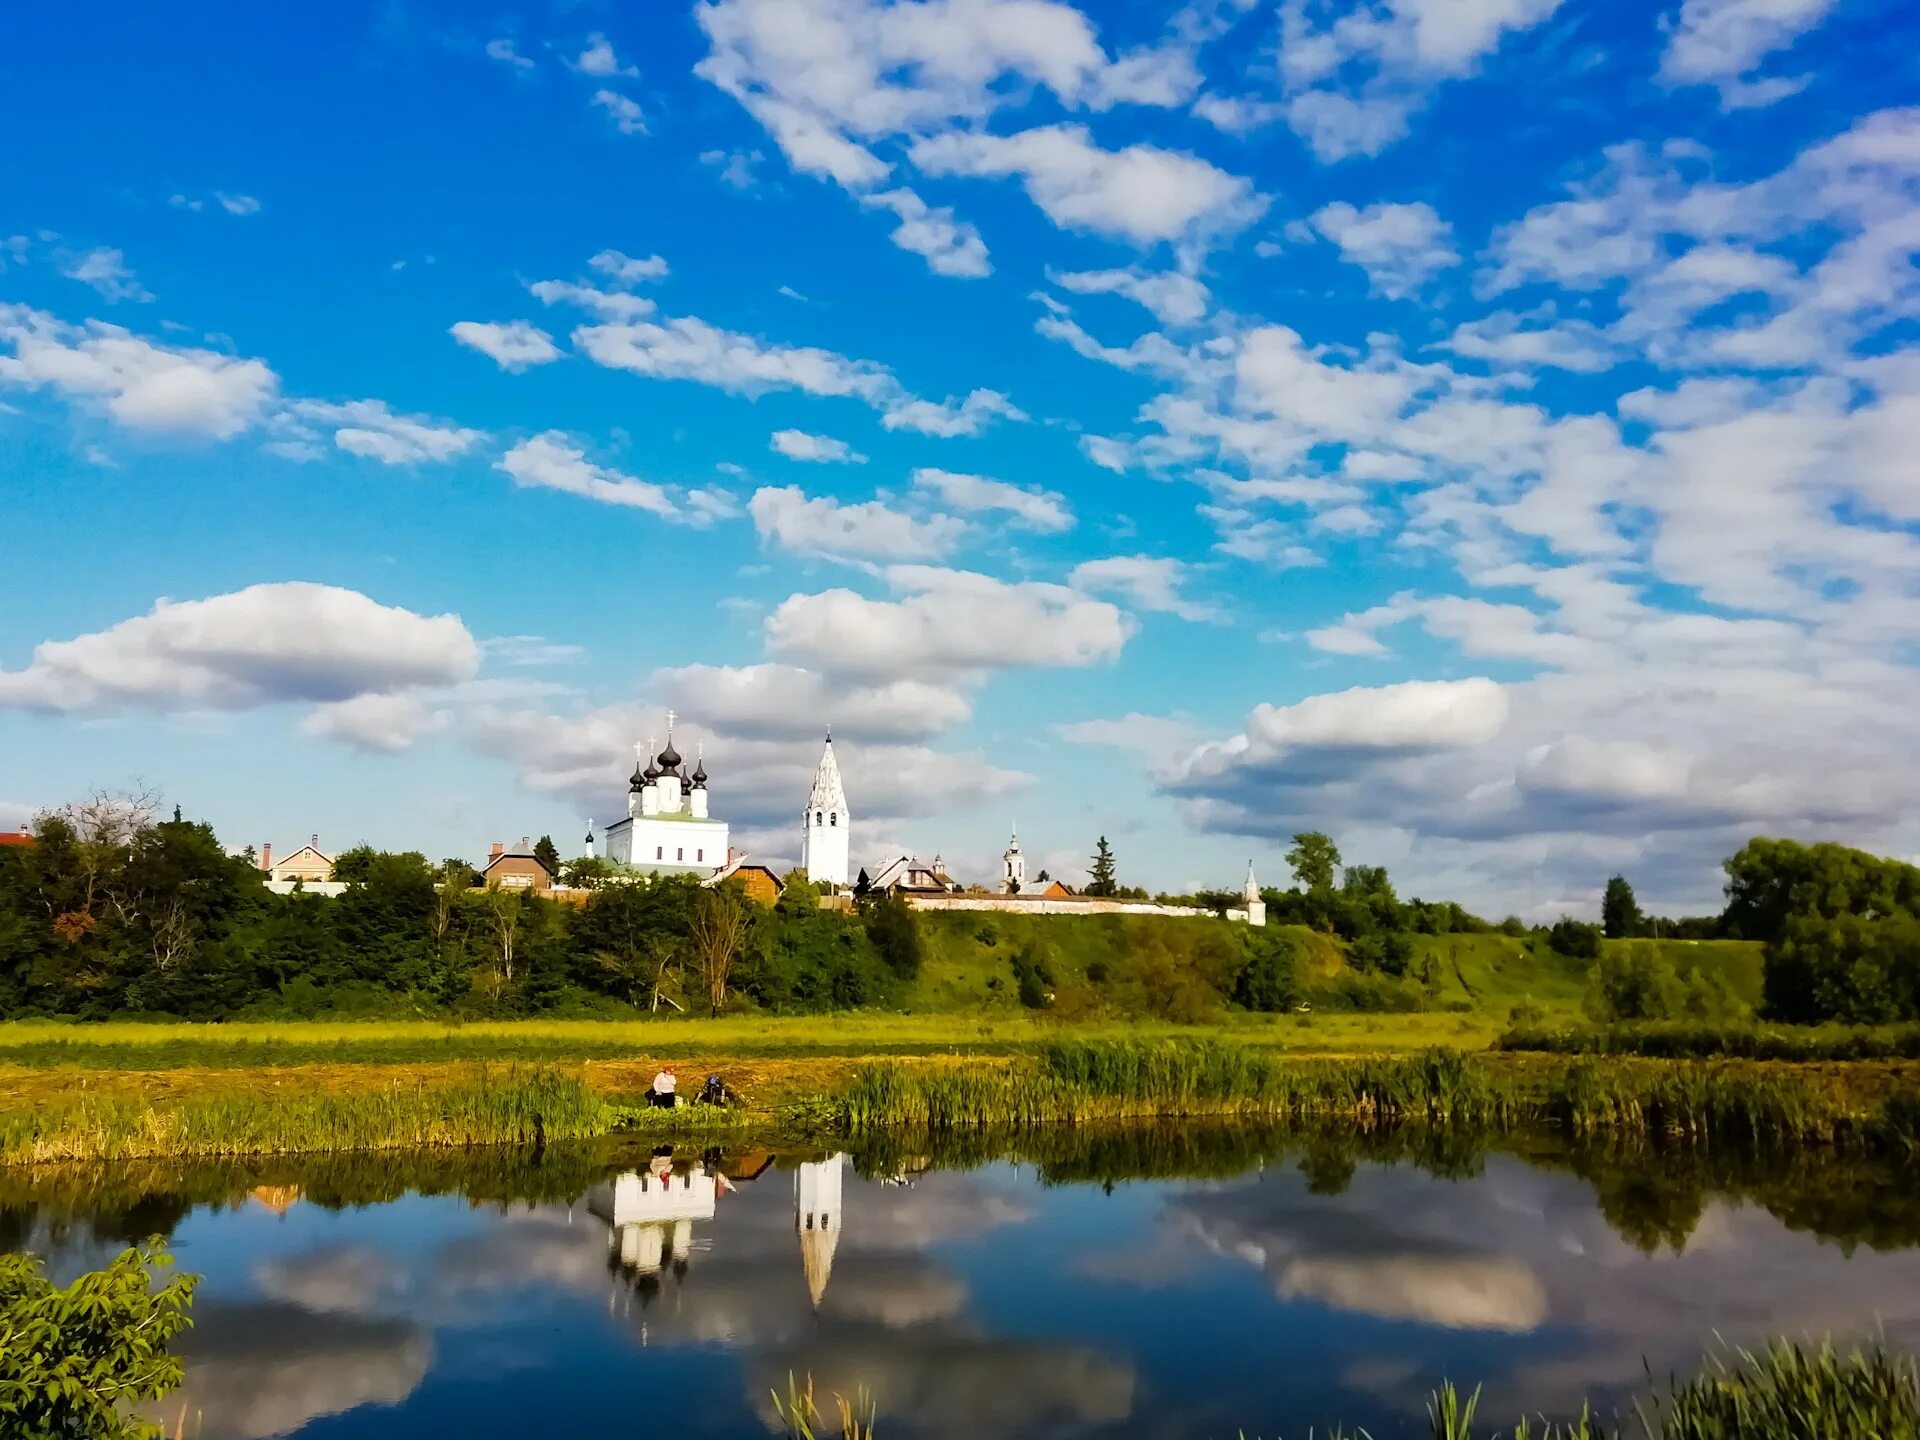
column 662, row 1096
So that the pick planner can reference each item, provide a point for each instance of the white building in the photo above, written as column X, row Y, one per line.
column 651, row 1214
column 1250, row 897
column 826, row 825
column 817, row 1218
column 1013, row 867
column 669, row 829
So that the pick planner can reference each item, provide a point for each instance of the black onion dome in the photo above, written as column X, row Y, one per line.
column 639, row 777
column 700, row 773
column 669, row 757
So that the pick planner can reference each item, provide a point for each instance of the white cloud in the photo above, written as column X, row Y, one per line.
column 950, row 417
column 257, row 646
column 141, row 385
column 1141, row 193
column 1721, row 42
column 946, row 623
column 503, row 50
column 1507, row 339
column 623, row 111
column 951, row 247
column 106, row 272
column 551, row 461
column 627, row 270
column 691, row 349
column 1037, row 509
column 1350, row 78
column 1146, row 582
column 1160, row 742
column 736, row 167
column 386, row 723
column 1401, row 247
column 823, row 449
column 237, row 204
column 821, row 525
column 370, row 429
column 770, row 701
column 599, row 59
column 511, row 344
column 1174, row 298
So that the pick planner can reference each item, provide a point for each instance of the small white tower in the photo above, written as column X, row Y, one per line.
column 817, row 1219
column 1256, row 907
column 825, row 826
column 1013, row 867
column 589, row 842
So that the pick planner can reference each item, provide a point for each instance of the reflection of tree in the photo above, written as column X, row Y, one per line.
column 1328, row 1169
column 1649, row 1208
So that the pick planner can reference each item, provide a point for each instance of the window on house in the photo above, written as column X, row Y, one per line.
column 680, row 853
column 659, row 852
column 699, row 855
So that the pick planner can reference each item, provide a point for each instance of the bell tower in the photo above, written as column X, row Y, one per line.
column 824, row 828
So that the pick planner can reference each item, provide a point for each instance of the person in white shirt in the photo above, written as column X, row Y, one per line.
column 664, row 1085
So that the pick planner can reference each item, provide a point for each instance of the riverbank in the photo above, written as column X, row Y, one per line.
column 56, row 1114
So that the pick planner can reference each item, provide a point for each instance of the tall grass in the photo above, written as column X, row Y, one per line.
column 1693, row 1040
column 1791, row 1392
column 517, row 1106
column 1077, row 1082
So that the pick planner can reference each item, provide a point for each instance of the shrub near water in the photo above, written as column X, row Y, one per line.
column 1684, row 1040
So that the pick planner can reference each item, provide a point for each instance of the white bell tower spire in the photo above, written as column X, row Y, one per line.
column 824, row 837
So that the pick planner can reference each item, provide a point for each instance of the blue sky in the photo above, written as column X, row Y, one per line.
column 1482, row 430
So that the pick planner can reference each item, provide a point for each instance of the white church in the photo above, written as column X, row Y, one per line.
column 826, row 826
column 669, row 829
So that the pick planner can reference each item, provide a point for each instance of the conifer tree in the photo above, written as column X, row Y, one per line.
column 1100, row 876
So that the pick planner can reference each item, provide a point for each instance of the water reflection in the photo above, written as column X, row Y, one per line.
column 1081, row 1282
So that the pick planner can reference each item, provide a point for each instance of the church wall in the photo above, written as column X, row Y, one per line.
column 1040, row 906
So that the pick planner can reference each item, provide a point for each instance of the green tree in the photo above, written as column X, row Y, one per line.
column 74, row 1360
column 1313, row 859
column 548, row 854
column 1101, row 879
column 895, row 934
column 1575, row 939
column 1620, row 913
column 1270, row 978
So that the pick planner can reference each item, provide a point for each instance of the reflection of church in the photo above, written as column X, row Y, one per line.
column 817, row 1220
column 652, row 1214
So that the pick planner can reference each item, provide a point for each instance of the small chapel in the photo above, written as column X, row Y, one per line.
column 669, row 828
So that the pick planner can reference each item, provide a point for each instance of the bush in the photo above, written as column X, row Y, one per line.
column 76, row 1355
column 1269, row 981
column 895, row 934
column 1033, row 976
column 1574, row 939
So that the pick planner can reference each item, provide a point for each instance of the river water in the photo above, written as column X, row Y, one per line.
column 1194, row 1284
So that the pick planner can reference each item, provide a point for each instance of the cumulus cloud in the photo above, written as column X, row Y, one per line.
column 951, row 247
column 1722, row 42
column 257, row 646
column 598, row 58
column 623, row 111
column 691, row 349
column 822, row 525
column 786, row 702
column 553, row 462
column 370, row 429
column 512, row 344
column 946, row 622
column 1401, row 247
column 1037, row 509
column 819, row 449
column 1141, row 193
column 948, row 418
column 503, row 50
column 1350, row 80
column 385, row 723
column 137, row 383
column 1146, row 582
column 1174, row 298
column 104, row 271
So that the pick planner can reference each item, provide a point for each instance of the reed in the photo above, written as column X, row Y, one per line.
column 1689, row 1040
column 513, row 1107
column 1081, row 1082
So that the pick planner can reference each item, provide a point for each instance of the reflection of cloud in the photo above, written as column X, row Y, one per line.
column 1461, row 1292
column 259, row 1370
column 1519, row 1250
column 896, row 1291
column 350, row 1279
column 932, row 1380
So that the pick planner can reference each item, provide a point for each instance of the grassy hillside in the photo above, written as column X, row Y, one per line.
column 969, row 960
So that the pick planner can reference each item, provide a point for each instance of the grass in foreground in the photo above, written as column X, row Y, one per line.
column 1791, row 1392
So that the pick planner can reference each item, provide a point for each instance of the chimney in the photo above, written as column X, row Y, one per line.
column 266, row 856
column 496, row 850
column 315, row 842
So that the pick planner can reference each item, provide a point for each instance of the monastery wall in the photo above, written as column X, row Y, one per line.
column 1015, row 904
